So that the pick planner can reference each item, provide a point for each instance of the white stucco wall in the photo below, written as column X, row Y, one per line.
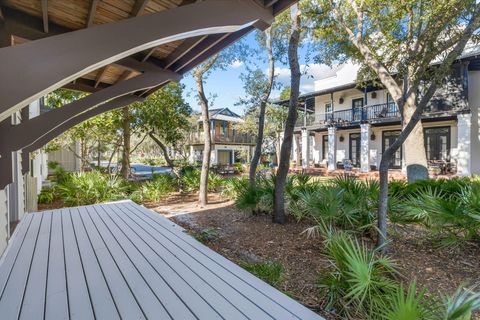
column 474, row 103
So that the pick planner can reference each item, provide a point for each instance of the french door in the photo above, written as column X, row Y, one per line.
column 437, row 143
column 354, row 148
column 388, row 138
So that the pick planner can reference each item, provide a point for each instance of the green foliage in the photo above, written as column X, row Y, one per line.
column 190, row 180
column 452, row 218
column 156, row 189
column 91, row 187
column 360, row 281
column 345, row 202
column 47, row 195
column 409, row 305
column 60, row 175
column 238, row 167
column 460, row 305
column 232, row 187
column 164, row 114
column 270, row 271
column 207, row 235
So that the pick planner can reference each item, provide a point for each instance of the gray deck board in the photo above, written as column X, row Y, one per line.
column 122, row 261
column 56, row 304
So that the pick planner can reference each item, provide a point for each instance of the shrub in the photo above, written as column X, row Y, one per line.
column 238, row 168
column 207, row 235
column 361, row 280
column 452, row 218
column 270, row 271
column 91, row 187
column 232, row 187
column 47, row 195
column 190, row 180
column 344, row 202
column 155, row 189
column 60, row 175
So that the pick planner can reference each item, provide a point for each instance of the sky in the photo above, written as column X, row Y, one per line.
column 227, row 88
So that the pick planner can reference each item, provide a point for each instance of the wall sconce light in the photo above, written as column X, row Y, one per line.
column 374, row 94
column 373, row 137
column 341, row 138
column 340, row 100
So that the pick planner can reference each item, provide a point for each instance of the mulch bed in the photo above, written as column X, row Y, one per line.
column 244, row 237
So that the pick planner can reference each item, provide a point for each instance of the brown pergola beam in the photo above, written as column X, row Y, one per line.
column 69, row 56
column 45, row 15
column 139, row 7
column 206, row 44
column 124, row 76
column 29, row 131
column 100, row 75
column 105, row 107
column 231, row 38
column 187, row 46
column 91, row 13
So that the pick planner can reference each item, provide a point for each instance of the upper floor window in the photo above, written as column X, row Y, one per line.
column 389, row 97
column 328, row 107
column 357, row 103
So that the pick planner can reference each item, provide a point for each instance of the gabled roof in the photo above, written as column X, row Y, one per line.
column 212, row 113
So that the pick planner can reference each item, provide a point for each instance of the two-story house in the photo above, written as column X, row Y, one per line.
column 342, row 122
column 228, row 145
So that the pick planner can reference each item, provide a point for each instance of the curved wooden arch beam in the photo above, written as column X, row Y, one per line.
column 116, row 103
column 31, row 70
column 16, row 137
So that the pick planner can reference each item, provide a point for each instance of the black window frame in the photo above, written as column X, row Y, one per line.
column 436, row 146
column 391, row 165
column 358, row 159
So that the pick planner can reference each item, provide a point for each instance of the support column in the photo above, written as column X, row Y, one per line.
column 464, row 165
column 332, row 148
column 305, row 149
column 365, row 131
column 296, row 150
column 191, row 157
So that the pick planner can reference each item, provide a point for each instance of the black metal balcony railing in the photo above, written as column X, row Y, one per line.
column 240, row 138
column 354, row 116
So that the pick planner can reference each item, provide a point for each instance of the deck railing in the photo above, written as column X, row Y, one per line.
column 240, row 138
column 381, row 111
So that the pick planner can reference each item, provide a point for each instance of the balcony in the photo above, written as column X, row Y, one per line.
column 231, row 138
column 371, row 113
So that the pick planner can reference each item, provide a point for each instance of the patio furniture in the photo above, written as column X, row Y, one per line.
column 123, row 261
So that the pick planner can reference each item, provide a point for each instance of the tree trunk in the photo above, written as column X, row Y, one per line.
column 164, row 149
column 415, row 155
column 279, row 201
column 383, row 200
column 99, row 157
column 126, row 143
column 263, row 106
column 203, row 191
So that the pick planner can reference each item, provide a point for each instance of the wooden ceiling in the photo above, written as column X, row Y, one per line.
column 52, row 17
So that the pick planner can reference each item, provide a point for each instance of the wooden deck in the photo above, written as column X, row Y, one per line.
column 122, row 261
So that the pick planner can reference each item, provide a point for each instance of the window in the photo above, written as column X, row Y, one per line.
column 325, row 147
column 437, row 143
column 388, row 138
column 328, row 107
column 354, row 146
column 357, row 103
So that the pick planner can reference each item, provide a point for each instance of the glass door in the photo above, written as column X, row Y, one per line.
column 388, row 137
column 437, row 143
column 357, row 106
column 354, row 148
